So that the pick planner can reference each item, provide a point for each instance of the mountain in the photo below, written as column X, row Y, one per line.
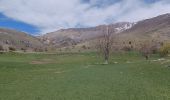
column 18, row 40
column 157, row 27
column 72, row 36
column 153, row 28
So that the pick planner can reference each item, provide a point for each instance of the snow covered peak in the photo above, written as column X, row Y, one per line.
column 120, row 27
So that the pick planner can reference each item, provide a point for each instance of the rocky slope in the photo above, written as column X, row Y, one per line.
column 157, row 27
column 72, row 36
column 18, row 40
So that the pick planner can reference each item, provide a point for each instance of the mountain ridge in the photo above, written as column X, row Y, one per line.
column 77, row 35
column 156, row 27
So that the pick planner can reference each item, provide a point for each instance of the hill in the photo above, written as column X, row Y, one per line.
column 73, row 36
column 155, row 28
column 18, row 40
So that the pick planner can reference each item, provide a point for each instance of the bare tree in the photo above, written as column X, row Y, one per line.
column 149, row 47
column 104, row 44
column 145, row 50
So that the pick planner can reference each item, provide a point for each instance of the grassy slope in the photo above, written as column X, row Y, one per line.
column 80, row 77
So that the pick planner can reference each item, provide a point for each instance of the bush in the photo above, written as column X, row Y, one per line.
column 24, row 49
column 127, row 48
column 38, row 50
column 46, row 49
column 1, row 48
column 84, row 47
column 12, row 49
column 164, row 51
column 146, row 50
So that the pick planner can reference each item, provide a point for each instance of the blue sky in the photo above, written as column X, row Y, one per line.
column 43, row 16
column 7, row 22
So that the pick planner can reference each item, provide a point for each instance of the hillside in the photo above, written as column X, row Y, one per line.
column 153, row 28
column 157, row 27
column 73, row 36
column 18, row 40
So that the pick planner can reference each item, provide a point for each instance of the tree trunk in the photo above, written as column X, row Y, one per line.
column 106, row 62
column 106, row 54
column 147, row 57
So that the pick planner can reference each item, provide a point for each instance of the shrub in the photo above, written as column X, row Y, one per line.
column 38, row 49
column 41, row 50
column 46, row 49
column 1, row 48
column 146, row 50
column 24, row 49
column 127, row 48
column 164, row 51
column 84, row 47
column 12, row 49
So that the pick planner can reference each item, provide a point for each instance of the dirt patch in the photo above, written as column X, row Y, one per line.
column 88, row 66
column 43, row 61
column 59, row 72
column 38, row 62
column 129, row 62
column 48, row 60
column 66, row 71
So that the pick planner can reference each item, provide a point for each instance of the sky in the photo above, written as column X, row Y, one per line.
column 42, row 16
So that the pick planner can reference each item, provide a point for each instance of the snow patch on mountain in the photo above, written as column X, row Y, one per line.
column 124, row 26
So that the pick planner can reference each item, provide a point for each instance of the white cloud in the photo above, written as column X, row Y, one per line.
column 144, row 11
column 51, row 15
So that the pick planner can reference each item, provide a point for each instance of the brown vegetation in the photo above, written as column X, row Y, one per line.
column 1, row 48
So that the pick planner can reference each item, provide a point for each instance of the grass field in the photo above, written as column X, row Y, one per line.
column 81, row 77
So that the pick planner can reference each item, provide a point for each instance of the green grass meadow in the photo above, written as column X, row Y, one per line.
column 81, row 76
